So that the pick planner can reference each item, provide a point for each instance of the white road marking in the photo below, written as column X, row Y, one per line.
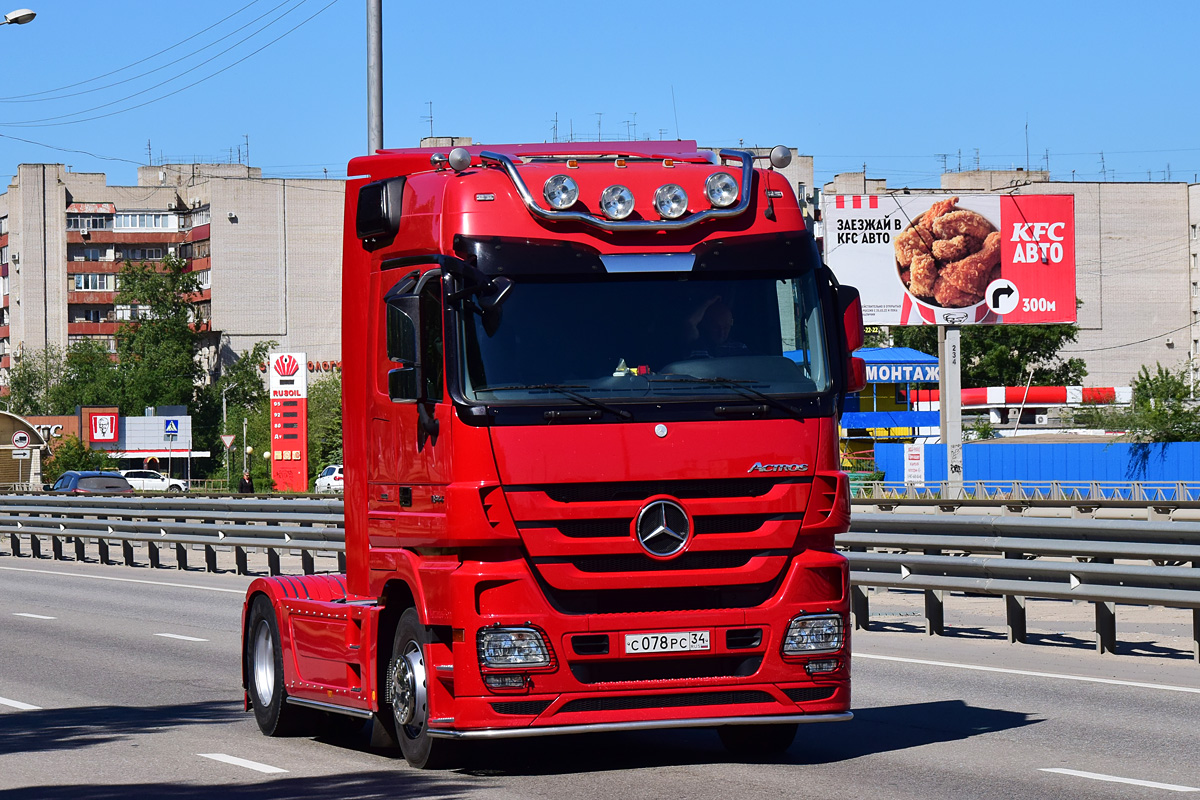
column 4, row 701
column 241, row 762
column 125, row 580
column 1028, row 673
column 180, row 638
column 1096, row 776
column 31, row 616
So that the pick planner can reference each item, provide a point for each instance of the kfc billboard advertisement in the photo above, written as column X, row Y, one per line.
column 947, row 260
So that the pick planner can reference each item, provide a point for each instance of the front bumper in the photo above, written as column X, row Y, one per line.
column 642, row 725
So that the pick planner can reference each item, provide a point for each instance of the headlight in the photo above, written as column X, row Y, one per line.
column 815, row 634
column 722, row 189
column 671, row 201
column 561, row 192
column 501, row 648
column 616, row 202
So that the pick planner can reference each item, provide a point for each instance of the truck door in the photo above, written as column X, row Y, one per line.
column 410, row 425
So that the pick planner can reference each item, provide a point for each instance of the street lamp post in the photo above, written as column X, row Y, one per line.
column 18, row 17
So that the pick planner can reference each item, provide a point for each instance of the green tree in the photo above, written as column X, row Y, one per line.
column 324, row 423
column 71, row 453
column 32, row 380
column 1003, row 355
column 88, row 378
column 241, row 386
column 157, row 347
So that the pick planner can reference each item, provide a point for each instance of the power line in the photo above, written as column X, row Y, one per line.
column 1128, row 344
column 50, row 121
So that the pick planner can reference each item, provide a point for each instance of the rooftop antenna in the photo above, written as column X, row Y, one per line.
column 246, row 138
column 634, row 115
column 556, row 127
column 977, row 159
column 149, row 154
column 943, row 157
column 1046, row 157
column 1027, row 143
column 1103, row 169
column 662, row 133
column 429, row 118
column 960, row 159
column 599, row 118
column 676, row 110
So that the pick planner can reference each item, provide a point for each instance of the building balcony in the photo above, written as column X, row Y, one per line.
column 91, row 298
column 125, row 237
column 4, row 331
column 108, row 266
column 198, row 264
column 92, row 328
column 199, row 233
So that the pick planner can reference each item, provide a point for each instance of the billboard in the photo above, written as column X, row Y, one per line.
column 948, row 260
column 289, row 422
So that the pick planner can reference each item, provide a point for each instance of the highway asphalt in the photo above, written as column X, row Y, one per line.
column 118, row 682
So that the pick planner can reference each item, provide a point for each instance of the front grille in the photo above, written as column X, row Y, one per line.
column 523, row 708
column 666, row 701
column 641, row 490
column 590, row 644
column 732, row 523
column 686, row 598
column 665, row 669
column 641, row 563
column 743, row 638
column 587, row 528
column 809, row 694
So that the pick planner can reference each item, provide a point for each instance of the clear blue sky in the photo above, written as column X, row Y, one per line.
column 889, row 84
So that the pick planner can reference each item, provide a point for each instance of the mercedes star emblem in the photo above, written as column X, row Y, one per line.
column 662, row 528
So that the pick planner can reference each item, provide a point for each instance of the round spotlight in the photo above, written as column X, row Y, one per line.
column 560, row 192
column 616, row 202
column 671, row 201
column 722, row 189
column 780, row 156
column 459, row 159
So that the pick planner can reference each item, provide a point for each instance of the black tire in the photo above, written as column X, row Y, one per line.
column 406, row 693
column 173, row 490
column 757, row 741
column 264, row 673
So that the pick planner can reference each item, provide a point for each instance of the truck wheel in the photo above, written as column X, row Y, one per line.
column 407, row 692
column 757, row 741
column 264, row 669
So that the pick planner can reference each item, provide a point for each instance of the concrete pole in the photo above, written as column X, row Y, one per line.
column 952, row 410
column 374, row 75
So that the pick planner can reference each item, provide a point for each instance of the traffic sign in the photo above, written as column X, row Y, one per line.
column 20, row 440
column 171, row 426
column 20, row 454
column 228, row 438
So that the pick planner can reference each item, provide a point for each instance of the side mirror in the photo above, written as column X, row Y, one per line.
column 403, row 323
column 850, row 306
column 377, row 217
column 856, row 375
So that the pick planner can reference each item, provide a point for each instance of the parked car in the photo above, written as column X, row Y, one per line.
column 148, row 480
column 330, row 480
column 91, row 482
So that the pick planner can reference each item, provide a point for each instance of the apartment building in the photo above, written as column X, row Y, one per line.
column 267, row 253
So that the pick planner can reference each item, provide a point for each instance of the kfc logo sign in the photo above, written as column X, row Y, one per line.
column 286, row 366
column 104, row 427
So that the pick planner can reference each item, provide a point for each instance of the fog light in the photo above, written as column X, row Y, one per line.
column 722, row 189
column 501, row 648
column 561, row 192
column 504, row 681
column 824, row 665
column 616, row 202
column 815, row 634
column 671, row 201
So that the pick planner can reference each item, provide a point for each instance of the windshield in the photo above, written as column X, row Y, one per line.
column 648, row 337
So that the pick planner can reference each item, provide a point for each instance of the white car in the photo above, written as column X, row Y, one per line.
column 330, row 480
column 147, row 480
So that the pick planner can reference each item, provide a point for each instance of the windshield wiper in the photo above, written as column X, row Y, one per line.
column 738, row 386
column 566, row 391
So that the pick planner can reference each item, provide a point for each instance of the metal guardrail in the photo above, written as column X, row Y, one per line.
column 247, row 522
column 1010, row 550
column 1104, row 562
column 1179, row 491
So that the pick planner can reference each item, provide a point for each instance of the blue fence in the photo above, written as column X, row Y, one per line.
column 1067, row 463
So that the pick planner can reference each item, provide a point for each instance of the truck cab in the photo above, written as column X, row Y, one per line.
column 590, row 425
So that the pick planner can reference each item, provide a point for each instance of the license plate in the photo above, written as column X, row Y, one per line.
column 672, row 642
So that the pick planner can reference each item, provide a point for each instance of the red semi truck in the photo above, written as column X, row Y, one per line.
column 590, row 399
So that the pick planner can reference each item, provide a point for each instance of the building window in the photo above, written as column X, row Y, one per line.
column 145, row 221
column 89, row 222
column 93, row 282
column 201, row 216
column 204, row 276
column 86, row 314
column 4, row 284
column 108, row 342
column 4, row 254
column 1194, row 232
column 130, row 312
column 4, row 225
column 143, row 254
